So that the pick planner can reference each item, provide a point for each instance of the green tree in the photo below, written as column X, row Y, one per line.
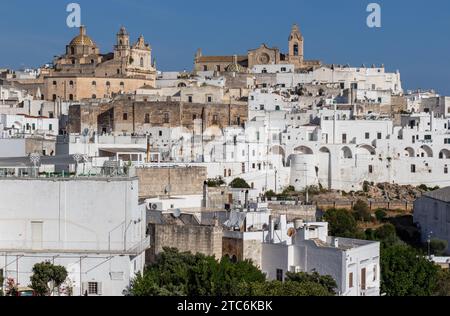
column 362, row 211
column 47, row 277
column 239, row 183
column 380, row 214
column 342, row 224
column 270, row 194
column 438, row 247
column 184, row 274
column 326, row 281
column 387, row 235
column 405, row 272
column 443, row 286
column 277, row 288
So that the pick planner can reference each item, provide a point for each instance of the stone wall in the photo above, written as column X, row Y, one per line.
column 78, row 88
column 206, row 240
column 127, row 116
column 183, row 181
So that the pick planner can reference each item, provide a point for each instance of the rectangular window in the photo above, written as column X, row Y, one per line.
column 280, row 275
column 379, row 136
column 50, row 127
column 243, row 167
column 370, row 169
column 190, row 98
column 445, row 170
column 93, row 288
column 344, row 138
column 427, row 137
column 413, row 168
column 166, row 118
column 209, row 99
column 147, row 119
column 367, row 135
column 160, row 133
column 125, row 116
column 261, row 107
column 363, row 279
column 205, row 68
column 375, row 272
column 218, row 67
column 350, row 280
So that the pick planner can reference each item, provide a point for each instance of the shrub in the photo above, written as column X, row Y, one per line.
column 362, row 211
column 380, row 214
column 438, row 247
column 239, row 183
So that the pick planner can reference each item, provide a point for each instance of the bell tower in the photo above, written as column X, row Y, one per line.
column 122, row 48
column 296, row 42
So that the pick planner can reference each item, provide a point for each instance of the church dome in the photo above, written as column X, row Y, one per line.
column 82, row 39
column 235, row 67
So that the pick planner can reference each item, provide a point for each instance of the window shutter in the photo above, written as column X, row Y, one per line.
column 84, row 288
column 99, row 288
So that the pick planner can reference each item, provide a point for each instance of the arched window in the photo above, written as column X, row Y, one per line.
column 122, row 84
column 54, row 83
column 108, row 84
column 73, row 61
column 72, row 50
column 295, row 49
column 71, row 83
column 71, row 97
column 142, row 62
column 94, row 83
column 92, row 61
column 94, row 96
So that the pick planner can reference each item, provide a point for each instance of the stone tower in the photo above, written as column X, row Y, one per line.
column 122, row 48
column 296, row 46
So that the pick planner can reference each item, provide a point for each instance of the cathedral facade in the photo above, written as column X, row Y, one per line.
column 84, row 73
column 262, row 55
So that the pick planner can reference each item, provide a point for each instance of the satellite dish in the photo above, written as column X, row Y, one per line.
column 168, row 189
column 177, row 213
column 154, row 206
column 291, row 232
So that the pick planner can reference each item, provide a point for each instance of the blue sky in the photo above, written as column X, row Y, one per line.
column 414, row 38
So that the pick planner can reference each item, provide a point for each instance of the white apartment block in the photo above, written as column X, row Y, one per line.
column 94, row 227
column 353, row 264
